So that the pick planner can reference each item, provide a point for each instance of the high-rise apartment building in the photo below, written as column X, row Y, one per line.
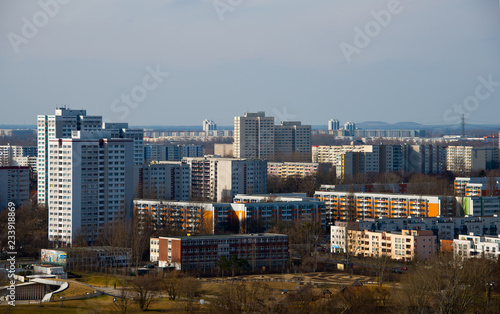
column 351, row 127
column 292, row 141
column 89, row 183
column 463, row 160
column 164, row 180
column 240, row 176
column 256, row 136
column 121, row 130
column 333, row 124
column 208, row 126
column 59, row 125
column 203, row 178
column 428, row 159
column 220, row 179
column 361, row 159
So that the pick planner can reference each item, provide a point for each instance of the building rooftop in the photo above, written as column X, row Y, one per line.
column 227, row 236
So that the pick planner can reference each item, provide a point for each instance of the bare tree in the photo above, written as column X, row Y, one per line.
column 147, row 289
column 171, row 284
column 123, row 303
column 491, row 185
column 139, row 236
column 189, row 289
column 448, row 285
column 241, row 297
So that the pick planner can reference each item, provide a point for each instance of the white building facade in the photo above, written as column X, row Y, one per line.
column 90, row 183
column 59, row 125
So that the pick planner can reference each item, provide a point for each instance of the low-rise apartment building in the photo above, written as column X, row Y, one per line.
column 405, row 245
column 480, row 205
column 292, row 169
column 467, row 246
column 351, row 206
column 202, row 252
column 214, row 218
column 477, row 186
column 445, row 228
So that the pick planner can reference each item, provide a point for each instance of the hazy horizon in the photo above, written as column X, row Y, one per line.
column 190, row 60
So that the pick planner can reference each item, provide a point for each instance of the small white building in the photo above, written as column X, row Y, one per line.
column 467, row 246
column 154, row 249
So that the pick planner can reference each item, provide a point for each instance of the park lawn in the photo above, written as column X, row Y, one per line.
column 74, row 289
column 213, row 288
column 98, row 279
column 102, row 304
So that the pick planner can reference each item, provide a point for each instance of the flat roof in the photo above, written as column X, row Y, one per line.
column 89, row 248
column 226, row 236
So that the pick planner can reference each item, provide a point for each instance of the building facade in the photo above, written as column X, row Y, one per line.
column 201, row 253
column 185, row 217
column 358, row 159
column 405, row 245
column 292, row 142
column 90, row 183
column 349, row 206
column 209, row 125
column 59, row 125
column 160, row 152
column 14, row 186
column 121, row 130
column 256, row 136
column 480, row 205
column 167, row 180
column 220, row 179
column 292, row 169
column 467, row 246
column 428, row 159
column 464, row 160
column 333, row 124
column 214, row 218
column 445, row 228
column 477, row 186
column 8, row 153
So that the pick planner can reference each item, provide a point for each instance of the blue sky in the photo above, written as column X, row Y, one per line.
column 225, row 57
